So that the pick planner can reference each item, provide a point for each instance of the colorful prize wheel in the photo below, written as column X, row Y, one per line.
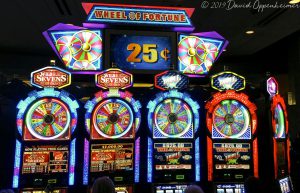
column 173, row 115
column 47, row 115
column 279, row 117
column 112, row 115
column 231, row 115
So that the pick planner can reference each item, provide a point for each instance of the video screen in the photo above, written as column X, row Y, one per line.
column 45, row 159
column 286, row 185
column 232, row 156
column 140, row 50
column 170, row 189
column 111, row 157
column 173, row 156
column 229, row 188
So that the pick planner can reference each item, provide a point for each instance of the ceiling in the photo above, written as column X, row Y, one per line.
column 23, row 48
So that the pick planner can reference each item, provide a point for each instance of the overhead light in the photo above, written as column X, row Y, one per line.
column 294, row 1
column 224, row 50
column 250, row 32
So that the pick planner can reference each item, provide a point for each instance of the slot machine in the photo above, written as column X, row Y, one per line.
column 232, row 150
column 45, row 145
column 112, row 119
column 279, row 131
column 173, row 147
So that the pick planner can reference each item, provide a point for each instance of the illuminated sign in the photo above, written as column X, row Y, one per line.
column 141, row 50
column 171, row 80
column 150, row 15
column 228, row 81
column 80, row 49
column 51, row 77
column 272, row 86
column 114, row 78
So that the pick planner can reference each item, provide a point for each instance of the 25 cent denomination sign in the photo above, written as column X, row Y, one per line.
column 53, row 77
column 114, row 78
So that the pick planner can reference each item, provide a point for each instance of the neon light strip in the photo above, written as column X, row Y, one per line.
column 86, row 162
column 209, row 160
column 150, row 164
column 72, row 163
column 137, row 161
column 255, row 157
column 288, row 155
column 275, row 158
column 17, row 165
column 197, row 160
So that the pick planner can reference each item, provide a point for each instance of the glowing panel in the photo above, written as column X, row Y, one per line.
column 79, row 49
column 196, row 54
column 272, row 86
column 86, row 162
column 173, row 114
column 279, row 117
column 72, row 163
column 161, row 16
column 112, row 114
column 137, row 160
column 197, row 160
column 228, row 81
column 17, row 165
column 171, row 80
column 51, row 77
column 149, row 160
column 49, row 113
column 231, row 115
column 114, row 78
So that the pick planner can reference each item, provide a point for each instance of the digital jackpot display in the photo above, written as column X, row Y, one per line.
column 45, row 159
column 231, row 156
column 230, row 188
column 173, row 156
column 141, row 50
column 111, row 157
column 170, row 189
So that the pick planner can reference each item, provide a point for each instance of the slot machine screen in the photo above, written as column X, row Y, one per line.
column 170, row 189
column 232, row 156
column 138, row 51
column 281, row 154
column 45, row 159
column 286, row 185
column 41, row 191
column 173, row 156
column 111, row 157
column 229, row 188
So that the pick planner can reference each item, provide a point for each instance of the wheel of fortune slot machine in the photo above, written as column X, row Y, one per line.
column 232, row 150
column 112, row 119
column 173, row 147
column 45, row 146
column 278, row 121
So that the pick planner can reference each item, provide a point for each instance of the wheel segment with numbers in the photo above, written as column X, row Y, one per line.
column 280, row 122
column 48, row 118
column 173, row 117
column 113, row 118
column 231, row 118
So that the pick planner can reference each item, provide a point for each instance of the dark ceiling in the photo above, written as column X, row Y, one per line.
column 23, row 48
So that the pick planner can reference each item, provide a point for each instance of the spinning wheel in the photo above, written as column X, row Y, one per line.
column 231, row 118
column 48, row 118
column 173, row 117
column 113, row 118
column 91, row 48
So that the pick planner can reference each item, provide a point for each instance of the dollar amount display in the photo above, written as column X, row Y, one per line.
column 146, row 52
